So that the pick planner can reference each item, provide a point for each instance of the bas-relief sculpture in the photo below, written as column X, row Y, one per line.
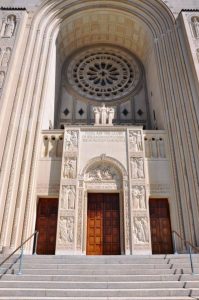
column 8, row 27
column 102, row 173
column 70, row 140
column 137, row 168
column 68, row 197
column 104, row 115
column 66, row 230
column 69, row 168
column 5, row 57
column 195, row 26
column 135, row 140
column 141, row 230
column 139, row 198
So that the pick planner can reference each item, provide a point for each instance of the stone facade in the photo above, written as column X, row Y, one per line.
column 57, row 63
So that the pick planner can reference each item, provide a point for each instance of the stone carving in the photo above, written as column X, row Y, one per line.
column 2, row 77
column 71, row 140
column 139, row 198
column 68, row 197
column 137, row 168
column 69, row 169
column 195, row 26
column 104, row 115
column 66, row 230
column 6, row 57
column 102, row 173
column 141, row 230
column 8, row 27
column 135, row 138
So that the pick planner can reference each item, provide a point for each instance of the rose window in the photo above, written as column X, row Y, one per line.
column 103, row 74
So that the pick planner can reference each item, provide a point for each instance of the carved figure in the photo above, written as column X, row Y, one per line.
column 71, row 140
column 134, row 168
column 66, row 230
column 139, row 199
column 195, row 26
column 135, row 138
column 141, row 230
column 97, row 115
column 9, row 26
column 111, row 114
column 6, row 57
column 69, row 170
column 140, row 168
column 68, row 197
column 104, row 114
column 2, row 77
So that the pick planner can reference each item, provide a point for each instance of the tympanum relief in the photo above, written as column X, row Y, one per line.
column 141, row 230
column 68, row 197
column 66, row 230
column 101, row 172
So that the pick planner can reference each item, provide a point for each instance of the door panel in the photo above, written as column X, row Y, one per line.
column 46, row 224
column 103, row 225
column 161, row 236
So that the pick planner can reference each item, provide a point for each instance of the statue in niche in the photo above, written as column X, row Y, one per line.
column 69, row 169
column 104, row 115
column 2, row 77
column 6, row 57
column 68, row 197
column 71, row 140
column 137, row 168
column 9, row 26
column 141, row 233
column 135, row 138
column 52, row 147
column 102, row 172
column 139, row 198
column 195, row 26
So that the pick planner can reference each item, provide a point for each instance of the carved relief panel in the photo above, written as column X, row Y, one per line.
column 139, row 197
column 137, row 168
column 135, row 140
column 70, row 140
column 141, row 230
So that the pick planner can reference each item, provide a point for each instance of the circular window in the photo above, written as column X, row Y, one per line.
column 103, row 73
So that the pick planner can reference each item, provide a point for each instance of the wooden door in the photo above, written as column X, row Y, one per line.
column 161, row 236
column 46, row 224
column 103, row 224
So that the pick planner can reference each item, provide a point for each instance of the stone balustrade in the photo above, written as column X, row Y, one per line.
column 155, row 144
column 52, row 144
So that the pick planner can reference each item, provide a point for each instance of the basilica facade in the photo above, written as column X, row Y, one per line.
column 99, row 116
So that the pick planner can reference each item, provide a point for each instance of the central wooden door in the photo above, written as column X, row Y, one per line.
column 103, row 224
column 46, row 224
column 161, row 236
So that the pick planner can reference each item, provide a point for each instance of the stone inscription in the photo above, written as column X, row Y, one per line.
column 103, row 136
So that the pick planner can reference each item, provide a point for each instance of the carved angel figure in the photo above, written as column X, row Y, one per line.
column 9, row 26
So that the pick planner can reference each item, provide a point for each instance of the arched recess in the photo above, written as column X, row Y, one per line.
column 175, row 97
column 104, row 174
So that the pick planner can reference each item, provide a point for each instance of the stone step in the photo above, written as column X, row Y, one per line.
column 97, row 298
column 92, row 285
column 98, row 271
column 96, row 278
column 94, row 292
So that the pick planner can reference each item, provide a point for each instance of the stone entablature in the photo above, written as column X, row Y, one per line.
column 107, row 159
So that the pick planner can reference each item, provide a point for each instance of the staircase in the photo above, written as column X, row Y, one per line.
column 104, row 277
